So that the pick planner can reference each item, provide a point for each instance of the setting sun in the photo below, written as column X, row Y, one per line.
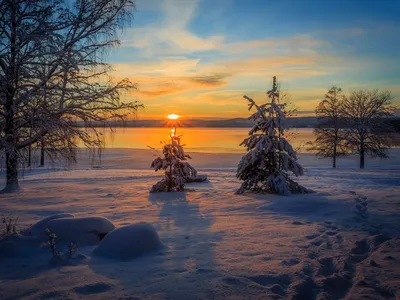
column 173, row 116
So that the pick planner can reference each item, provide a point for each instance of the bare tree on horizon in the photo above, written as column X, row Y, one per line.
column 329, row 139
column 368, row 131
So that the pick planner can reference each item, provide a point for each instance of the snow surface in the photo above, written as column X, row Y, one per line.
column 219, row 245
column 129, row 242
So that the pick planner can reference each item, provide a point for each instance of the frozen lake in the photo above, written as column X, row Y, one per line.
column 208, row 140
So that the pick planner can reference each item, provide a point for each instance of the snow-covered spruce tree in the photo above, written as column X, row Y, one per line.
column 177, row 170
column 270, row 159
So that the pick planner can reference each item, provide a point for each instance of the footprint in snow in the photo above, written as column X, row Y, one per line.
column 313, row 255
column 361, row 247
column 316, row 243
column 93, row 288
column 52, row 295
column 326, row 266
column 331, row 233
column 297, row 223
column 270, row 280
column 290, row 262
column 312, row 236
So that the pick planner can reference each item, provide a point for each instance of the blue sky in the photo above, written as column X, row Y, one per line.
column 198, row 58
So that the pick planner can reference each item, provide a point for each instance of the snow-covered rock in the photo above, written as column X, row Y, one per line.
column 38, row 228
column 129, row 242
column 84, row 231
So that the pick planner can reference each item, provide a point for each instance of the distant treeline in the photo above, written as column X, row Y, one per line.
column 301, row 122
column 396, row 124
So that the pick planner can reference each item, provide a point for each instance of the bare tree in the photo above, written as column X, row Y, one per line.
column 329, row 141
column 52, row 74
column 367, row 114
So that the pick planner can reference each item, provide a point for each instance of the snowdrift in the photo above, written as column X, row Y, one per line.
column 129, row 242
column 38, row 228
column 85, row 231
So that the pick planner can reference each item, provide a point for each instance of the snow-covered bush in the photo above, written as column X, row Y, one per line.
column 10, row 226
column 61, row 257
column 270, row 159
column 52, row 244
column 72, row 249
column 129, row 242
column 175, row 166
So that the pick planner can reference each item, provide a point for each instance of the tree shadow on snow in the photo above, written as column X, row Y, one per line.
column 191, row 241
column 183, row 267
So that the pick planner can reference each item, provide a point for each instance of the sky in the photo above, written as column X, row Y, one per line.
column 197, row 58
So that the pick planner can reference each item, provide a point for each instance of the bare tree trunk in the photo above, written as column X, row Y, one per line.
column 170, row 179
column 334, row 156
column 362, row 158
column 9, row 130
column 43, row 84
column 41, row 154
column 29, row 155
column 12, row 172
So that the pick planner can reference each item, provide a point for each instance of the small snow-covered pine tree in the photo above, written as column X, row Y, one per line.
column 270, row 159
column 177, row 170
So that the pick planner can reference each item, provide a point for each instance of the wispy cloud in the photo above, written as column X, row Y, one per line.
column 170, row 35
column 214, row 80
column 176, row 76
column 176, row 63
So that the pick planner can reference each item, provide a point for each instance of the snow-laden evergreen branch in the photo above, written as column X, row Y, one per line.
column 177, row 170
column 270, row 158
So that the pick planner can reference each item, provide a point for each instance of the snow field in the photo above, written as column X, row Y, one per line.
column 219, row 245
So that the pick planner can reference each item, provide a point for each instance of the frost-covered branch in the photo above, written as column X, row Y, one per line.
column 270, row 159
column 52, row 74
column 368, row 131
column 177, row 170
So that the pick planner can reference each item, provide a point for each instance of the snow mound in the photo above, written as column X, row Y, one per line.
column 84, row 231
column 38, row 228
column 129, row 242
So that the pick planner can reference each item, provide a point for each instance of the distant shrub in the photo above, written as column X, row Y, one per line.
column 56, row 254
column 52, row 244
column 10, row 226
